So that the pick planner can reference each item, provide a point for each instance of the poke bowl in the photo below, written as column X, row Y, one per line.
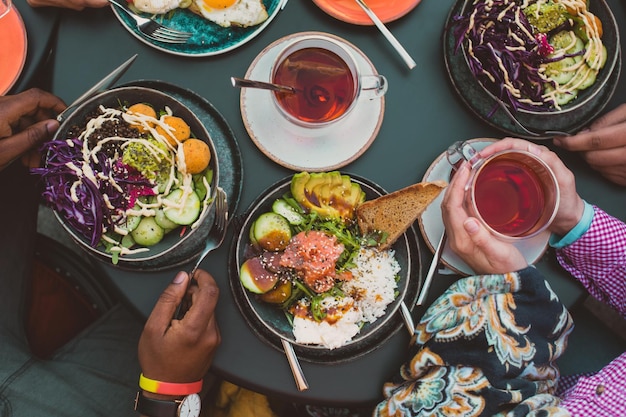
column 547, row 66
column 131, row 175
column 273, row 322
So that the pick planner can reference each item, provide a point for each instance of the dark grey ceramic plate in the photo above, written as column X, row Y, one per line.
column 270, row 323
column 208, row 38
column 174, row 250
column 573, row 116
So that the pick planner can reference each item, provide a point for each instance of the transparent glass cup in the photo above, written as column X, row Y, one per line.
column 327, row 79
column 513, row 193
column 5, row 7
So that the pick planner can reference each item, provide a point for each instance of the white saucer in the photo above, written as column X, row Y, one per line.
column 431, row 223
column 299, row 148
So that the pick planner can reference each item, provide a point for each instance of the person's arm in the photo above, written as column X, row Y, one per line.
column 27, row 120
column 603, row 145
column 591, row 245
column 180, row 351
column 597, row 258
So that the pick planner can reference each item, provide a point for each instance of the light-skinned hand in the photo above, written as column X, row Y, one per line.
column 571, row 205
column 172, row 350
column 469, row 239
column 28, row 119
column 603, row 145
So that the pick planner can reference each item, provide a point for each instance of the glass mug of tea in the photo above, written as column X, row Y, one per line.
column 327, row 80
column 513, row 192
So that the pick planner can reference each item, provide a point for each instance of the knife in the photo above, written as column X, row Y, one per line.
column 101, row 86
column 392, row 39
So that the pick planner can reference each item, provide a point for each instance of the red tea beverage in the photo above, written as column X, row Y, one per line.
column 509, row 196
column 325, row 85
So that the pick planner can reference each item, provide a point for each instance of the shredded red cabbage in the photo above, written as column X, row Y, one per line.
column 80, row 200
column 498, row 34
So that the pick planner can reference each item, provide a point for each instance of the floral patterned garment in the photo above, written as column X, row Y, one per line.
column 486, row 347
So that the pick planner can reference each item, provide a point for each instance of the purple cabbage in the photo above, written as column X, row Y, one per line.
column 90, row 216
column 495, row 28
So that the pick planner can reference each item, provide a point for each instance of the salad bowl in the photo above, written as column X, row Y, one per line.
column 176, row 246
column 530, row 122
column 270, row 323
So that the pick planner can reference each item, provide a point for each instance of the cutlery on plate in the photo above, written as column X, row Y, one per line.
column 392, row 39
column 408, row 318
column 154, row 30
column 432, row 269
column 244, row 83
column 294, row 364
column 213, row 241
column 99, row 87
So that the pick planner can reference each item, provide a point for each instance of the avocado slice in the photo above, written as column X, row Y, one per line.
column 329, row 194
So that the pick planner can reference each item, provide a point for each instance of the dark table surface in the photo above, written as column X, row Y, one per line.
column 422, row 117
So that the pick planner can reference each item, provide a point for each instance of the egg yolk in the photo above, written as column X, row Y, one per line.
column 218, row 4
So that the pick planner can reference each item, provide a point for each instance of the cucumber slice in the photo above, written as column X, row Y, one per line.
column 148, row 232
column 185, row 215
column 593, row 60
column 283, row 208
column 584, row 78
column 130, row 223
column 561, row 71
column 272, row 231
column 161, row 219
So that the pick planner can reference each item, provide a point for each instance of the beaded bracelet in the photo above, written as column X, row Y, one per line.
column 169, row 388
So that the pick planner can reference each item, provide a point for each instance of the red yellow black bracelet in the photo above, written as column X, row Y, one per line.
column 169, row 388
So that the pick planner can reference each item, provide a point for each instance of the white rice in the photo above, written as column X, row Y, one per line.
column 371, row 290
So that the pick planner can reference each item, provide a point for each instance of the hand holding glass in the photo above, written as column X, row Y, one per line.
column 513, row 192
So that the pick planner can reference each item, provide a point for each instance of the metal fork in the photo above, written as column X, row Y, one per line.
column 213, row 241
column 154, row 30
column 217, row 233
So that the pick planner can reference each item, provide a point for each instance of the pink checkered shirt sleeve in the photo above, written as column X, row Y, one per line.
column 598, row 260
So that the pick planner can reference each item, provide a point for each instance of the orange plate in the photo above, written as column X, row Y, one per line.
column 349, row 11
column 12, row 49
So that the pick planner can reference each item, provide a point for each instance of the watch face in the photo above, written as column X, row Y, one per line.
column 190, row 406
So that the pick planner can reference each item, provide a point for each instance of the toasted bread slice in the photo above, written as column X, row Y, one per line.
column 394, row 213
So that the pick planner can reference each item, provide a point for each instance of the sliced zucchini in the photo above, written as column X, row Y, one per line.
column 148, row 232
column 272, row 231
column 185, row 215
column 283, row 208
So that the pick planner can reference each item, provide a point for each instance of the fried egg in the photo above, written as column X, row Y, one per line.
column 156, row 6
column 228, row 13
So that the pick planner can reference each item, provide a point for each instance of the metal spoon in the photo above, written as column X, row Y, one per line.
column 388, row 35
column 294, row 364
column 244, row 83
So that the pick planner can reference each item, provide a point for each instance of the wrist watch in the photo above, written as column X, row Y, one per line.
column 189, row 406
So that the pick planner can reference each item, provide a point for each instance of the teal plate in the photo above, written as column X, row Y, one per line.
column 208, row 38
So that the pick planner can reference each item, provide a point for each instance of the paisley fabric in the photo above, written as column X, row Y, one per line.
column 486, row 347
